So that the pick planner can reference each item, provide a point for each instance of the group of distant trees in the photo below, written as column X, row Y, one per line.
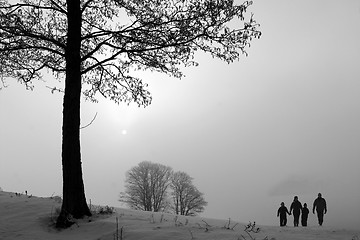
column 156, row 187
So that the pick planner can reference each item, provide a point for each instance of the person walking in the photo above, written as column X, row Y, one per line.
column 295, row 209
column 321, row 209
column 304, row 215
column 282, row 211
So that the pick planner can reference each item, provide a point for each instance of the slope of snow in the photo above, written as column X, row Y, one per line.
column 29, row 217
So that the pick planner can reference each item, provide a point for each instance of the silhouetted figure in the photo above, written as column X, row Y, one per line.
column 295, row 208
column 282, row 211
column 320, row 206
column 304, row 215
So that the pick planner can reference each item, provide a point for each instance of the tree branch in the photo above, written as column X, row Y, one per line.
column 90, row 122
column 21, row 5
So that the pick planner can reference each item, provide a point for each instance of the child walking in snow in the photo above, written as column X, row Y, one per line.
column 304, row 215
column 282, row 211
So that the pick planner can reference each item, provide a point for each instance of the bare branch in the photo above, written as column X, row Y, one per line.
column 90, row 122
column 15, row 7
column 55, row 89
column 58, row 7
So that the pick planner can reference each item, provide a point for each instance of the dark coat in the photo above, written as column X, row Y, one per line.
column 283, row 211
column 304, row 213
column 296, row 207
column 319, row 205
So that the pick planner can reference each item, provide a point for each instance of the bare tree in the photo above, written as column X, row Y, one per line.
column 96, row 45
column 146, row 187
column 187, row 199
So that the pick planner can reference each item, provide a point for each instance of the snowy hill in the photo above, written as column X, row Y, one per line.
column 29, row 217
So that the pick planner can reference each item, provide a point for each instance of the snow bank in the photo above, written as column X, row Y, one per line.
column 29, row 217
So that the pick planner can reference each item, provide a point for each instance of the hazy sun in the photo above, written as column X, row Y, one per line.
column 124, row 132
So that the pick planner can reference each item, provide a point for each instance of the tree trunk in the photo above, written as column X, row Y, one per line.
column 74, row 201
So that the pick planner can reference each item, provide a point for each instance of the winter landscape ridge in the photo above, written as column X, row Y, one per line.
column 29, row 217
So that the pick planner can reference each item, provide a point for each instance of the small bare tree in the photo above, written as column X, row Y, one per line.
column 187, row 199
column 146, row 187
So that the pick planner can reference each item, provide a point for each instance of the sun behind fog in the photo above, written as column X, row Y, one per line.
column 124, row 132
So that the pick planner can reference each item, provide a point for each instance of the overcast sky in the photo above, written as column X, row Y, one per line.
column 283, row 121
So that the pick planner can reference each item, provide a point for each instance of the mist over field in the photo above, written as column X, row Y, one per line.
column 279, row 123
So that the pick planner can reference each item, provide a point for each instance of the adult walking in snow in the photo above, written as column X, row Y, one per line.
column 321, row 209
column 295, row 209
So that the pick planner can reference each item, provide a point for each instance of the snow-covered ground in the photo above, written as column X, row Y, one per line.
column 29, row 217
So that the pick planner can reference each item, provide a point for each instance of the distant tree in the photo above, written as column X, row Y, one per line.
column 187, row 199
column 146, row 187
column 96, row 45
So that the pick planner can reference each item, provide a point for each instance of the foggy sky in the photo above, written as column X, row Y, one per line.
column 283, row 121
